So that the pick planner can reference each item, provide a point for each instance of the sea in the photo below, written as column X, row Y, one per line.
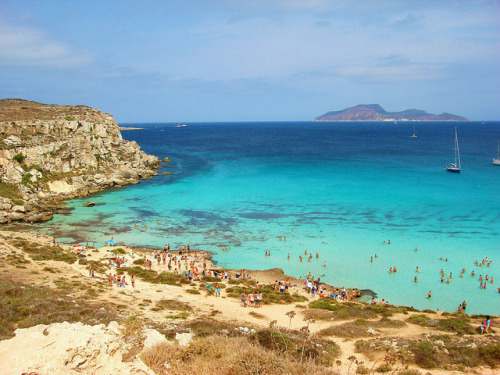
column 361, row 197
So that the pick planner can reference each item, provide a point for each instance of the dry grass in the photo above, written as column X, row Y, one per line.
column 40, row 252
column 359, row 328
column 226, row 356
column 256, row 315
column 23, row 306
column 170, row 304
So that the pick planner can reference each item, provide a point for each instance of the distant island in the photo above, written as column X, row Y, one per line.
column 374, row 112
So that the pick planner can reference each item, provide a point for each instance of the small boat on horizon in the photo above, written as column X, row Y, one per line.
column 497, row 160
column 181, row 125
column 413, row 135
column 456, row 166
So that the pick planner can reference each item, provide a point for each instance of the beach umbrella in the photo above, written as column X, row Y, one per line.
column 110, row 242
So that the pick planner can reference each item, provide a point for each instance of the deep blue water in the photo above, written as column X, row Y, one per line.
column 339, row 189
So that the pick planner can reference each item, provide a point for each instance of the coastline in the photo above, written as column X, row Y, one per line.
column 80, row 281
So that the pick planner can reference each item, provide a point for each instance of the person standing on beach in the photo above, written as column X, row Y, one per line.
column 485, row 328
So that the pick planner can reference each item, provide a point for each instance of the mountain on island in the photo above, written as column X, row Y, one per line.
column 374, row 112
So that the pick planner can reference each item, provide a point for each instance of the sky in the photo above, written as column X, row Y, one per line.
column 254, row 60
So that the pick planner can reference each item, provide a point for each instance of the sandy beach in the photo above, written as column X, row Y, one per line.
column 88, row 278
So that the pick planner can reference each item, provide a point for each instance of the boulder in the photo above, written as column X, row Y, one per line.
column 13, row 140
column 184, row 339
column 18, row 209
column 64, row 348
column 153, row 337
column 15, row 216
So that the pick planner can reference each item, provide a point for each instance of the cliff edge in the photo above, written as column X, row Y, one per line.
column 54, row 152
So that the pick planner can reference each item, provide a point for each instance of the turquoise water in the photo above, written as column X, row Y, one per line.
column 337, row 189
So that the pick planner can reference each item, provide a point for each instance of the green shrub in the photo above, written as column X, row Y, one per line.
column 362, row 369
column 178, row 315
column 69, row 118
column 490, row 354
column 384, row 368
column 419, row 319
column 269, row 295
column 10, row 191
column 425, row 356
column 19, row 158
column 459, row 325
column 324, row 304
column 153, row 276
column 26, row 178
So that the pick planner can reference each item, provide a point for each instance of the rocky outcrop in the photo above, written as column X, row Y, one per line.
column 374, row 112
column 64, row 348
column 52, row 152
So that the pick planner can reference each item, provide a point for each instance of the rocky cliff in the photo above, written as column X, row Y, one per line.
column 374, row 112
column 54, row 152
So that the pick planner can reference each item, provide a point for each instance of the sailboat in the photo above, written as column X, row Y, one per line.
column 497, row 160
column 455, row 167
column 413, row 135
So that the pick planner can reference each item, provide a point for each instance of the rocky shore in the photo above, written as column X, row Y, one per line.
column 49, row 153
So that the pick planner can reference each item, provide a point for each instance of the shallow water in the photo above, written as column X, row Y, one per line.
column 338, row 189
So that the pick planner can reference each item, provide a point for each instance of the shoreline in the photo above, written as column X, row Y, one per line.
column 86, row 278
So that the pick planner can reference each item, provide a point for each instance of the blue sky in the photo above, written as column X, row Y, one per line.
column 254, row 60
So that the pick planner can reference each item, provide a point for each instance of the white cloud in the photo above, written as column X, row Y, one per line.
column 24, row 46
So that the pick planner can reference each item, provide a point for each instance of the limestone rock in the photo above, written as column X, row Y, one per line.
column 71, row 150
column 153, row 337
column 12, row 140
column 64, row 348
column 18, row 209
column 15, row 216
column 183, row 339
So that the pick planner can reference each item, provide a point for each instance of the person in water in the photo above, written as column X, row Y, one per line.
column 429, row 295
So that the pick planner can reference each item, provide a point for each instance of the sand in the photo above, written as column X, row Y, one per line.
column 227, row 309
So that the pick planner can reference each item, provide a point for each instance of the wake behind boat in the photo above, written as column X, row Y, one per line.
column 456, row 166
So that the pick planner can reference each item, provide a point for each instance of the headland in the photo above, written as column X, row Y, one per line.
column 55, row 152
